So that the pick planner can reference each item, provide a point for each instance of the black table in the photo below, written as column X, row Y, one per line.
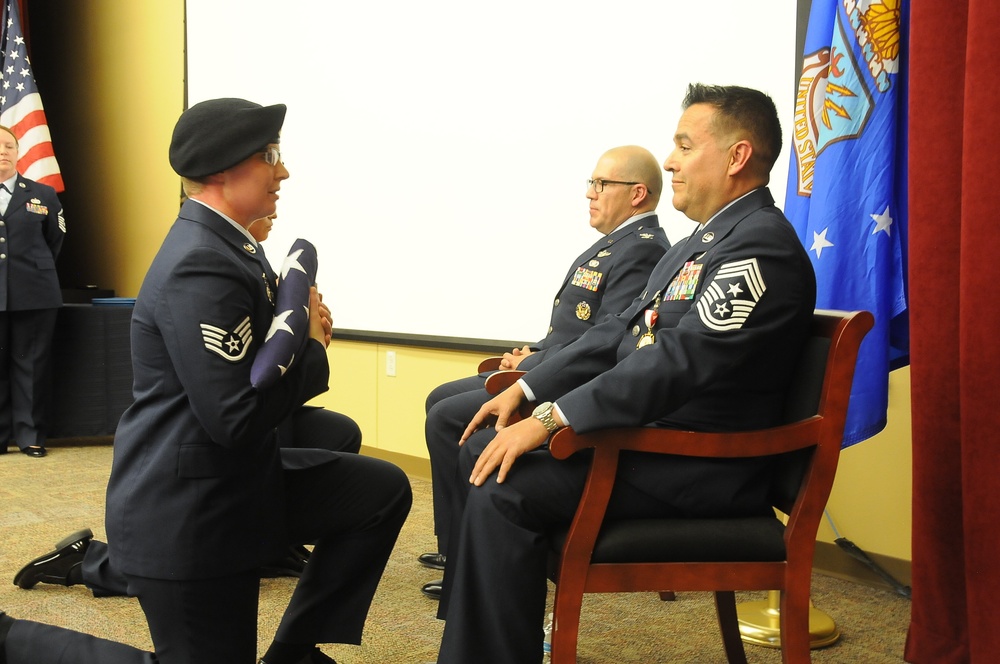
column 91, row 370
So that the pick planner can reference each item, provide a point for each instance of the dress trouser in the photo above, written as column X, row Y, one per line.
column 453, row 388
column 355, row 507
column 25, row 375
column 495, row 583
column 312, row 426
column 307, row 427
column 450, row 409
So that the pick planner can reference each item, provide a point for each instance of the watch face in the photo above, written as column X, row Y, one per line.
column 543, row 413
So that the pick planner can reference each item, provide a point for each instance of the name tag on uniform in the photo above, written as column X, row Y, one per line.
column 589, row 279
column 685, row 283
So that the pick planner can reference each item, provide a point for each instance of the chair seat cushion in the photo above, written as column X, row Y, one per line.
column 754, row 539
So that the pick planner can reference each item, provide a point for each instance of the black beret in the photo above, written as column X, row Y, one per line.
column 217, row 134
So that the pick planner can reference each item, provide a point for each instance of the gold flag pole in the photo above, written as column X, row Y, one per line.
column 760, row 623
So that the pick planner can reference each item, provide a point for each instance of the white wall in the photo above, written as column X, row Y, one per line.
column 438, row 150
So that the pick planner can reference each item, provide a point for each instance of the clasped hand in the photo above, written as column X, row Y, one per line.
column 510, row 360
column 320, row 319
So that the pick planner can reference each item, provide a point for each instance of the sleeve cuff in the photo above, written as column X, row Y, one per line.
column 528, row 394
column 562, row 415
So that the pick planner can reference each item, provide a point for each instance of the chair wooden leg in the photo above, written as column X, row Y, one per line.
column 725, row 608
column 794, row 627
column 668, row 596
column 566, row 623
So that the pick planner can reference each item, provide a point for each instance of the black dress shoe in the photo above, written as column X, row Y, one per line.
column 432, row 589
column 433, row 560
column 34, row 451
column 60, row 566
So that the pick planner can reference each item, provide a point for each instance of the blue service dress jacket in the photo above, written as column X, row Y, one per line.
column 601, row 282
column 31, row 234
column 696, row 350
column 196, row 483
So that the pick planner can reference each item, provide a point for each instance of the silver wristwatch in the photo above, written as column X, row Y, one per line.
column 543, row 413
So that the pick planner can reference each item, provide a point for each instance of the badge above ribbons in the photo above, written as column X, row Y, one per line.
column 290, row 326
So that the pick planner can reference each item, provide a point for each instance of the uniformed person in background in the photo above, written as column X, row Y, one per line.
column 198, row 499
column 623, row 192
column 710, row 344
column 32, row 229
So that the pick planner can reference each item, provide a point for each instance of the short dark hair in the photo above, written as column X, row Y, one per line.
column 11, row 132
column 742, row 111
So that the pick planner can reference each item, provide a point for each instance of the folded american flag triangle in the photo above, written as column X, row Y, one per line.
column 290, row 326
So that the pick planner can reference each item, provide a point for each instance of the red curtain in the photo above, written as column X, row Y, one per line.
column 955, row 321
column 22, row 11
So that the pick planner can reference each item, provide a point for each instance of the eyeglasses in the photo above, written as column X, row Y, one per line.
column 598, row 184
column 272, row 156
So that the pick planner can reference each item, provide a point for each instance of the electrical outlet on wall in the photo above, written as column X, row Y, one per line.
column 390, row 363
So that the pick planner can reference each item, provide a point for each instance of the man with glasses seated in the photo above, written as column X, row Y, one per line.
column 623, row 193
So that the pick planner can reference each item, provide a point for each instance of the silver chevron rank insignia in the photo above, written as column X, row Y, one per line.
column 231, row 345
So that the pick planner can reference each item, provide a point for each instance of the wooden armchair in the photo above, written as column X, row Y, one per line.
column 720, row 555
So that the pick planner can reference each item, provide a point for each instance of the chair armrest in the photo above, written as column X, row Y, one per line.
column 764, row 442
column 490, row 364
column 501, row 380
column 607, row 443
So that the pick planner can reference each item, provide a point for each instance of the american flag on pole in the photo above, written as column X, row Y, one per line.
column 21, row 105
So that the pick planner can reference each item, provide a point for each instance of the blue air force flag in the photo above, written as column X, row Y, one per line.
column 846, row 191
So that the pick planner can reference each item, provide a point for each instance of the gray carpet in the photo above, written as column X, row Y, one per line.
column 42, row 500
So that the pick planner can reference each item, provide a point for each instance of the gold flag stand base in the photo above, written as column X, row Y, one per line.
column 760, row 623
